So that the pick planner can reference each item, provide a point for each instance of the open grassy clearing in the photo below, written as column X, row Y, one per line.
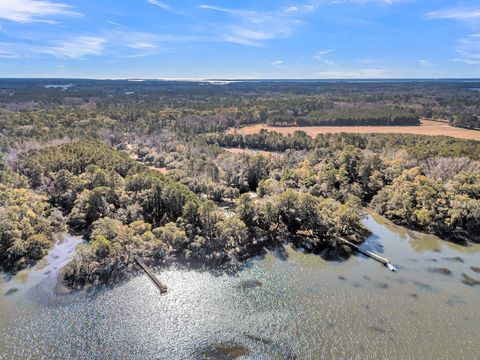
column 427, row 127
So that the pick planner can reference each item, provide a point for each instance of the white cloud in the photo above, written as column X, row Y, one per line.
column 320, row 56
column 327, row 62
column 27, row 11
column 14, row 50
column 116, row 43
column 253, row 28
column 387, row 2
column 216, row 8
column 162, row 5
column 456, row 14
column 145, row 44
column 291, row 9
column 353, row 74
column 114, row 23
column 134, row 40
column 366, row 2
column 7, row 53
column 279, row 65
column 8, row 56
column 469, row 50
column 144, row 40
column 425, row 63
column 250, row 37
column 76, row 48
column 324, row 52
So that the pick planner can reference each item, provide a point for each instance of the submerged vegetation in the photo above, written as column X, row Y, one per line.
column 140, row 175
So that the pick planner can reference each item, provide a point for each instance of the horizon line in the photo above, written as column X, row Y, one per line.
column 187, row 79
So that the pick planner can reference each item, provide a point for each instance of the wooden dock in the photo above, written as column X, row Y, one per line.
column 151, row 275
column 383, row 260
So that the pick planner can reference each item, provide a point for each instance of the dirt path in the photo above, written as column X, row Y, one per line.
column 427, row 127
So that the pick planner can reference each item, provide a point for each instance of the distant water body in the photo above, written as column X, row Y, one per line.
column 233, row 81
column 63, row 87
column 284, row 305
column 346, row 81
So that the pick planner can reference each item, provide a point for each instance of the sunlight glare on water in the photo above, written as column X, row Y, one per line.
column 278, row 307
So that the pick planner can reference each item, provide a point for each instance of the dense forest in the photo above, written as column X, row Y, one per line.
column 146, row 169
column 126, row 209
column 427, row 183
column 34, row 109
column 355, row 115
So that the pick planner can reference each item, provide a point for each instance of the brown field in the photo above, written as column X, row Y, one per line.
column 427, row 127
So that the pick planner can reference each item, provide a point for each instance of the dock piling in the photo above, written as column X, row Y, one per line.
column 151, row 275
column 383, row 260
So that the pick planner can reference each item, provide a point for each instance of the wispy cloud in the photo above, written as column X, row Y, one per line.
column 425, row 63
column 145, row 40
column 114, row 23
column 320, row 56
column 6, row 52
column 324, row 52
column 134, row 39
column 279, row 65
column 76, row 48
column 144, row 43
column 114, row 43
column 218, row 8
column 253, row 28
column 469, row 50
column 365, row 2
column 162, row 5
column 385, row 2
column 300, row 8
column 27, row 11
column 456, row 14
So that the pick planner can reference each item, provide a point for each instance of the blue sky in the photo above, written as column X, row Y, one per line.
column 240, row 39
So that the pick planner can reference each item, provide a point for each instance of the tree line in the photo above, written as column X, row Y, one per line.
column 419, row 146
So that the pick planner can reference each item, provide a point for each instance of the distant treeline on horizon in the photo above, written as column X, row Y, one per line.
column 197, row 106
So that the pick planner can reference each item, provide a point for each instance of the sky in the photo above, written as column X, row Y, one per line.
column 220, row 39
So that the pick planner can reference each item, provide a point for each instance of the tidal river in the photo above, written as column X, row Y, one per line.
column 286, row 305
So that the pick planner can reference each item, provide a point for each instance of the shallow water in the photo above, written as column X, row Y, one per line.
column 285, row 305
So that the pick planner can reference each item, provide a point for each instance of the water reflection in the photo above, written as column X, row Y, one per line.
column 39, row 282
column 283, row 305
